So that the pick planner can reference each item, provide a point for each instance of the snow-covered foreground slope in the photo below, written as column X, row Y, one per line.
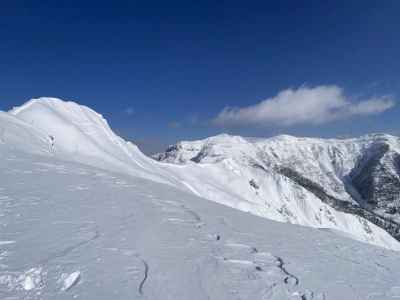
column 229, row 170
column 70, row 231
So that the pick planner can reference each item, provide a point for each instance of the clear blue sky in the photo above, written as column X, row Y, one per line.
column 159, row 71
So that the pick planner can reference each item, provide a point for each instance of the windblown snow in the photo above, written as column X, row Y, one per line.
column 84, row 214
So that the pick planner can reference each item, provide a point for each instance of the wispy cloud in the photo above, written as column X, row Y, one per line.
column 305, row 105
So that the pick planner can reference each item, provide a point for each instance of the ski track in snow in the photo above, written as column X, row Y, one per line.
column 287, row 282
column 254, row 263
column 69, row 249
column 145, row 275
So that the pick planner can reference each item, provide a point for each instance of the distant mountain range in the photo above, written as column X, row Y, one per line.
column 295, row 177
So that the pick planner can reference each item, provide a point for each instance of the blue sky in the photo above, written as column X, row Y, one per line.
column 163, row 71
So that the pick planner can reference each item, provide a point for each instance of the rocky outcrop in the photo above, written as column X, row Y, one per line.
column 376, row 178
column 387, row 224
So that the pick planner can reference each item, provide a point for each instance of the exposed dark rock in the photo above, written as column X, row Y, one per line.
column 254, row 184
column 392, row 227
column 171, row 152
column 376, row 177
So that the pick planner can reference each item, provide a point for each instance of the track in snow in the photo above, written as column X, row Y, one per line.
column 281, row 265
column 146, row 274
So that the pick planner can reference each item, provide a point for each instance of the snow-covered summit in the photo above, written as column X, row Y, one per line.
column 76, row 132
column 211, row 149
column 75, row 128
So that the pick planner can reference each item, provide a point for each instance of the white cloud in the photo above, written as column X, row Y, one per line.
column 317, row 105
column 372, row 106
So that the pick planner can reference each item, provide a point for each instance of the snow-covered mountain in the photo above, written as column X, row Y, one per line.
column 94, row 224
column 343, row 184
column 309, row 182
column 76, row 132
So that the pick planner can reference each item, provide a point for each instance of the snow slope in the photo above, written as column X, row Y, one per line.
column 16, row 134
column 81, row 134
column 233, row 171
column 114, row 236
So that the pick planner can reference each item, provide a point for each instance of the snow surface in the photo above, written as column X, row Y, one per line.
column 224, row 168
column 81, row 232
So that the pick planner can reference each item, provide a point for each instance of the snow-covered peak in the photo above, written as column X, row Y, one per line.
column 209, row 150
column 75, row 128
column 78, row 133
column 50, row 102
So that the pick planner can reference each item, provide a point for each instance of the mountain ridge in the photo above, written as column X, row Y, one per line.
column 326, row 165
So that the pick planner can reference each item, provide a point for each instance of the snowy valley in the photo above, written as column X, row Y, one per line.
column 86, row 215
